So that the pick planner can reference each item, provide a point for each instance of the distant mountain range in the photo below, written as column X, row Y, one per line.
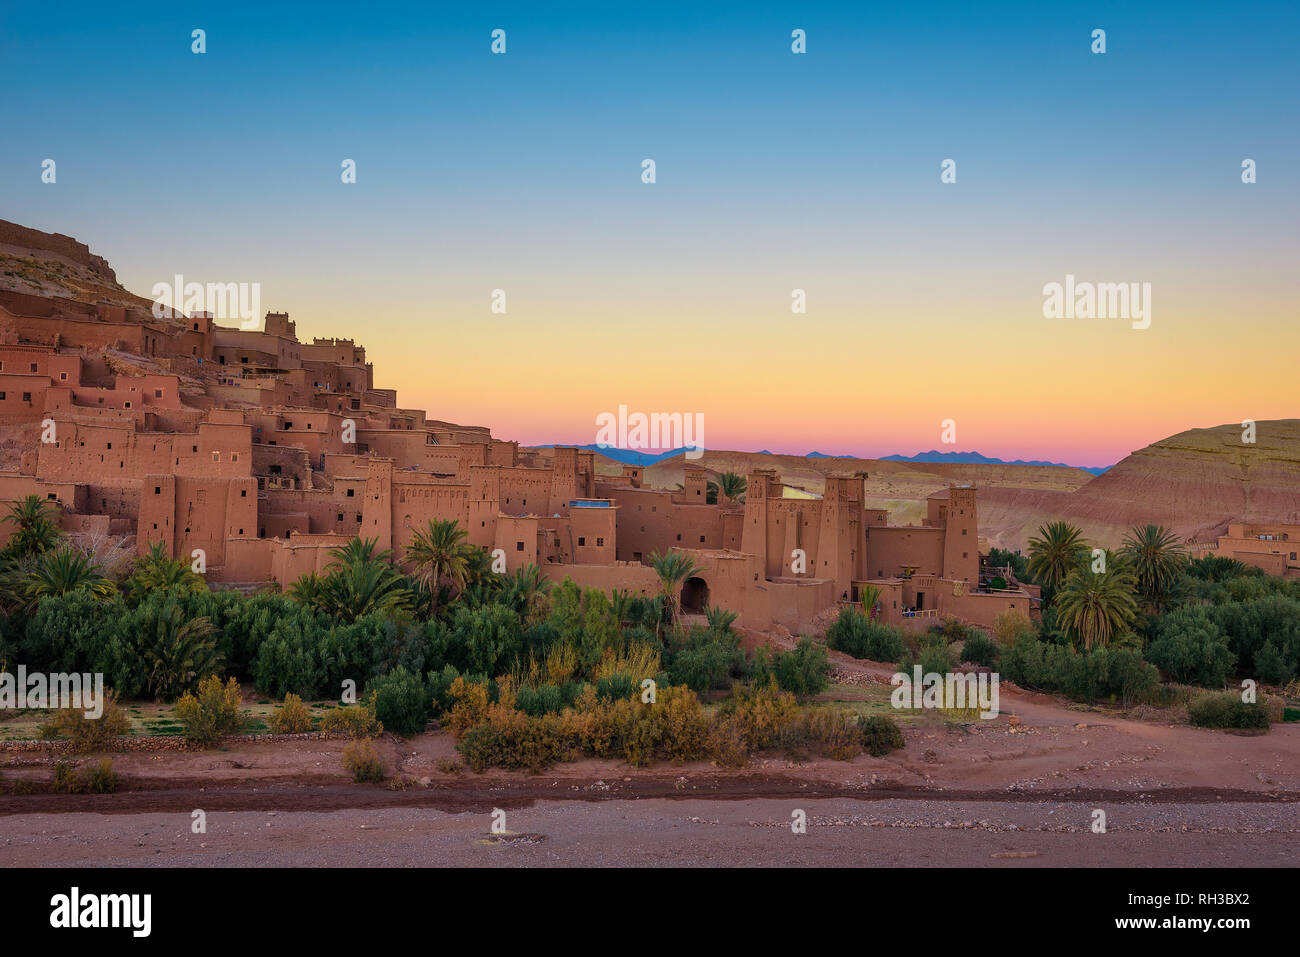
column 975, row 458
column 646, row 459
column 626, row 456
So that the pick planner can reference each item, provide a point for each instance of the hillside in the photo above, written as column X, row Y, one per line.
column 1196, row 482
column 38, row 263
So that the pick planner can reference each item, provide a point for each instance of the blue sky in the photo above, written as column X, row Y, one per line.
column 477, row 171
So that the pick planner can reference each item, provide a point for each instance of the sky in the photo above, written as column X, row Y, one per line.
column 774, row 172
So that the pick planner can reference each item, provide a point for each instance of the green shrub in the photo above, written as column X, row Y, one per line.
column 880, row 735
column 980, row 649
column 1085, row 676
column 1226, row 710
column 856, row 635
column 212, row 713
column 1192, row 650
column 802, row 672
column 400, row 701
column 704, row 659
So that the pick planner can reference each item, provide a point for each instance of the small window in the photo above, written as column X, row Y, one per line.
column 63, row 377
column 600, row 542
column 127, row 404
column 157, row 393
column 243, row 493
column 157, row 489
column 582, row 540
column 27, row 397
column 33, row 366
column 519, row 546
column 352, row 493
column 216, row 456
column 340, row 516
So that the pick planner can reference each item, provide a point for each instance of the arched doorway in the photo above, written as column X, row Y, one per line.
column 695, row 596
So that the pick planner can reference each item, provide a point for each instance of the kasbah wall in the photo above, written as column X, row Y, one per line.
column 264, row 453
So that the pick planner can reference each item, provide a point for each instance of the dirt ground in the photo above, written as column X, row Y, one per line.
column 995, row 793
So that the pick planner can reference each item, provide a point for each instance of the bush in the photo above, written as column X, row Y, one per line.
column 856, row 635
column 89, row 734
column 1084, row 676
column 705, row 659
column 357, row 721
column 1192, row 650
column 361, row 760
column 802, row 672
column 880, row 735
column 212, row 713
column 979, row 649
column 100, row 778
column 400, row 701
column 291, row 717
column 831, row 732
column 1226, row 710
column 936, row 657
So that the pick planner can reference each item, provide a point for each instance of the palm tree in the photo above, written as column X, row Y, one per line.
column 733, row 486
column 1057, row 550
column 1157, row 561
column 437, row 554
column 308, row 590
column 1093, row 607
column 869, row 595
column 362, row 581
column 672, row 569
column 178, row 651
column 36, row 531
column 155, row 570
column 66, row 570
column 719, row 620
column 524, row 591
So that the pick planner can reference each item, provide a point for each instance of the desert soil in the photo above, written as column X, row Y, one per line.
column 992, row 793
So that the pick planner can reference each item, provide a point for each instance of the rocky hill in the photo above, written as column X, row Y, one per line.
column 52, row 264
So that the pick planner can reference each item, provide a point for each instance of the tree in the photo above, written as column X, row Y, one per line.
column 1157, row 561
column 1092, row 607
column 35, row 531
column 1054, row 553
column 720, row 620
column 439, row 554
column 178, row 651
column 66, row 570
column 157, row 571
column 733, row 486
column 672, row 569
column 525, row 591
column 362, row 581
